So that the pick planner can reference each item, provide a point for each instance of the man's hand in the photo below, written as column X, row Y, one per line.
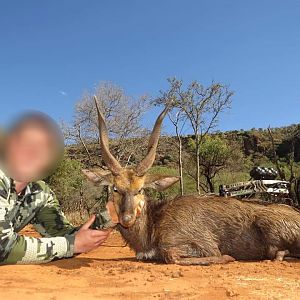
column 87, row 239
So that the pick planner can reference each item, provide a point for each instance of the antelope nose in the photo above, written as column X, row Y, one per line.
column 127, row 218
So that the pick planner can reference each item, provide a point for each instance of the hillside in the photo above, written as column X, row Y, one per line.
column 254, row 143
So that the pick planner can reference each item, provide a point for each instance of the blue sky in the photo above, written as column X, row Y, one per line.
column 51, row 51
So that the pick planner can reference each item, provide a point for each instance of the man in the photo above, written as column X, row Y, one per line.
column 30, row 151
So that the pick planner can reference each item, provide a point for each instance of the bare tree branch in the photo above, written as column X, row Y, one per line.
column 201, row 106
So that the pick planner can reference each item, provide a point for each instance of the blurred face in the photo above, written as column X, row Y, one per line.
column 30, row 153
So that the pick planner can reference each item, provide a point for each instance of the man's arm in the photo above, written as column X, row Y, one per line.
column 50, row 220
column 15, row 248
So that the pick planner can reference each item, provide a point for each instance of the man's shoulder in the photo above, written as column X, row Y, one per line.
column 41, row 192
column 4, row 180
column 2, row 174
column 41, row 186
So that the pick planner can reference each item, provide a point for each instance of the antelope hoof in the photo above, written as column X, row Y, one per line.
column 281, row 254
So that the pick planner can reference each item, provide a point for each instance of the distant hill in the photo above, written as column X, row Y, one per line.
column 257, row 141
column 254, row 143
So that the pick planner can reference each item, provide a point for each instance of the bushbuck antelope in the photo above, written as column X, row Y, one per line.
column 192, row 230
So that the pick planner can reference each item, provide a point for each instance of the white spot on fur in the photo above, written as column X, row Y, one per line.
column 146, row 255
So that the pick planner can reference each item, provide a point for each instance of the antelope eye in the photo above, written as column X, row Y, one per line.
column 141, row 191
column 115, row 189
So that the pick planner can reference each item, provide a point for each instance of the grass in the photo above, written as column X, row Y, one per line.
column 190, row 184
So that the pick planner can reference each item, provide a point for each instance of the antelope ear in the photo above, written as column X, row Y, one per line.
column 160, row 182
column 98, row 177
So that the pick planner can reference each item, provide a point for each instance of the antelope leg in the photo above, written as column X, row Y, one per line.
column 204, row 261
column 281, row 254
column 175, row 257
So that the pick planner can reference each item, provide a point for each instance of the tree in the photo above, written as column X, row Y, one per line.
column 123, row 116
column 67, row 180
column 275, row 156
column 178, row 119
column 201, row 106
column 215, row 154
column 74, row 192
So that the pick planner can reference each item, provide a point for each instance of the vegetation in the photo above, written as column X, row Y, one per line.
column 204, row 159
column 73, row 191
column 199, row 107
column 215, row 154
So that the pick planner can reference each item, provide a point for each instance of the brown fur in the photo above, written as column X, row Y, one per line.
column 191, row 230
column 188, row 228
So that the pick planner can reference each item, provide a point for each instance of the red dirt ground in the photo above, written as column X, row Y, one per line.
column 111, row 272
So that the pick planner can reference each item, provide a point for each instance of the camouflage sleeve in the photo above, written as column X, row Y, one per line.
column 50, row 220
column 15, row 248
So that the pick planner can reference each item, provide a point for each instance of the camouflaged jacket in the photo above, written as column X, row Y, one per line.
column 36, row 205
